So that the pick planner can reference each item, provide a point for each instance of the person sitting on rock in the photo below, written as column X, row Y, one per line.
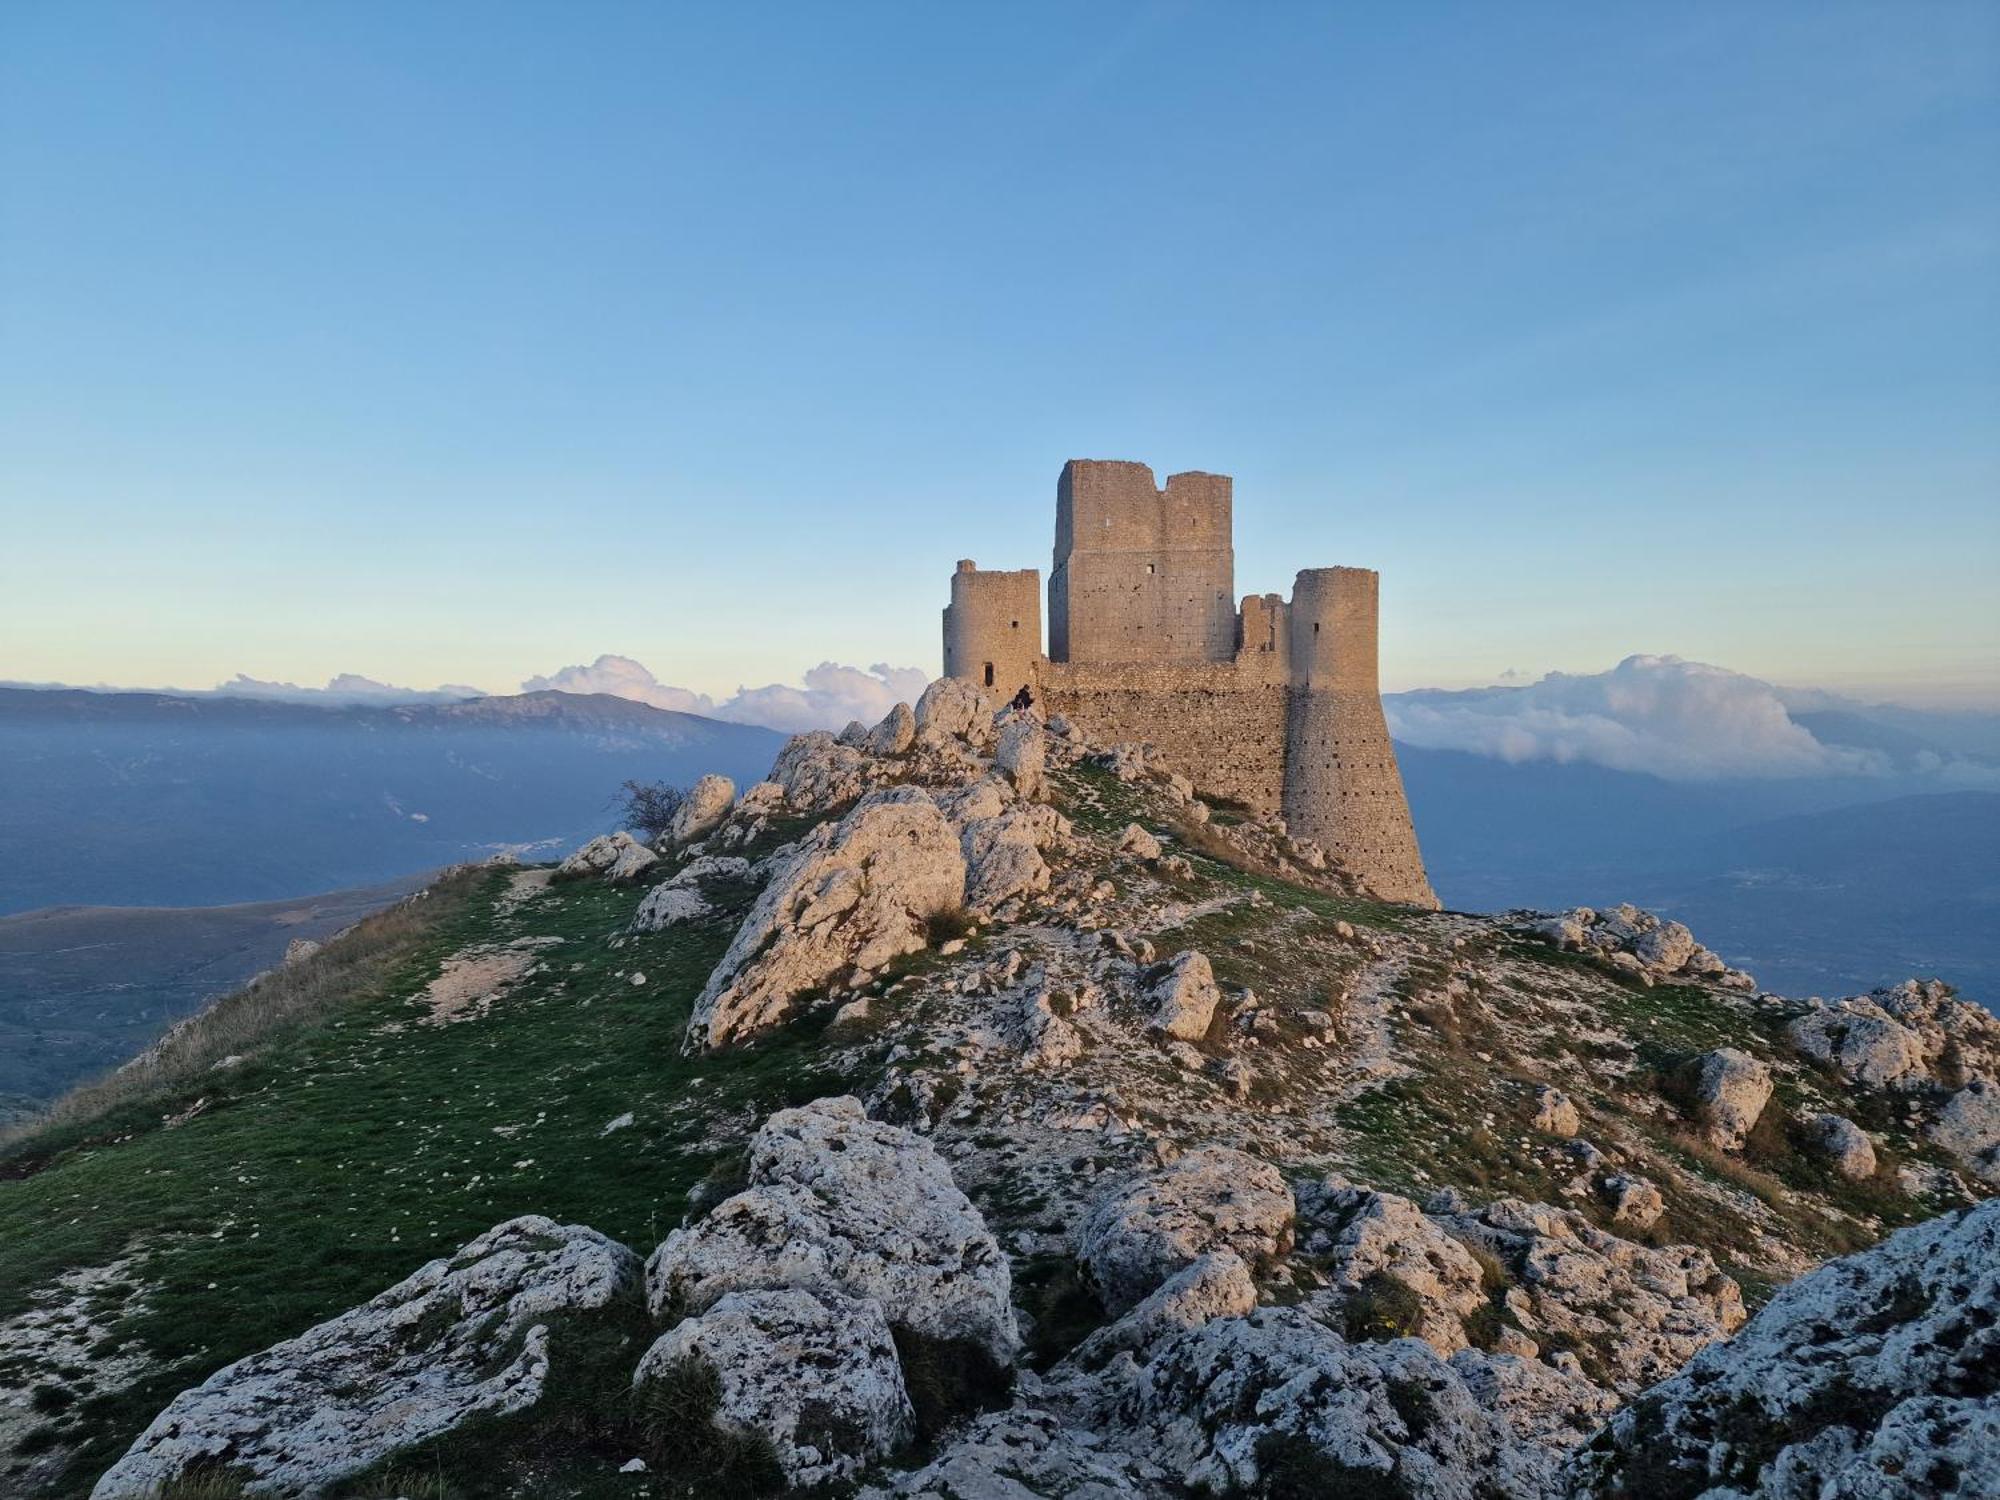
column 1023, row 700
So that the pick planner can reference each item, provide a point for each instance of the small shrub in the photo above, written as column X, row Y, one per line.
column 674, row 1415
column 948, row 1379
column 1289, row 1467
column 1382, row 1307
column 649, row 807
column 946, row 924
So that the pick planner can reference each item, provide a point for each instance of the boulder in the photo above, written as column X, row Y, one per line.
column 1215, row 1198
column 669, row 906
column 465, row 1339
column 1020, row 753
column 1843, row 1144
column 816, row 773
column 1555, row 1113
column 701, row 812
column 1632, row 1312
column 1215, row 1285
column 851, row 894
column 1136, row 840
column 1862, row 1042
column 1876, row 1375
column 1275, row 1403
column 1634, row 1202
column 1048, row 1041
column 895, row 734
column 1024, row 1453
column 956, row 708
column 815, row 1373
column 1184, row 998
column 1377, row 1244
column 844, row 1204
column 1969, row 1128
column 1644, row 945
column 612, row 856
column 298, row 950
column 1731, row 1089
column 1004, row 852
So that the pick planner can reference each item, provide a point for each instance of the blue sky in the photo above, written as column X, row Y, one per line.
column 454, row 343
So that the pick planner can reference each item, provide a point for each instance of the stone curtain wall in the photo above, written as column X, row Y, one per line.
column 1142, row 574
column 1343, row 788
column 994, row 618
column 1221, row 726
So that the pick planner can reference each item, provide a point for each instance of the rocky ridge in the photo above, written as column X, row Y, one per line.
column 1211, row 1171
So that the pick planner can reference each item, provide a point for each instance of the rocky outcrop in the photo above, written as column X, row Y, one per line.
column 612, row 856
column 1905, row 1036
column 1877, row 1375
column 814, row 1373
column 1969, row 1128
column 848, row 898
column 701, row 812
column 1641, row 944
column 1372, row 1243
column 1864, row 1043
column 1020, row 752
column 1731, row 1089
column 669, row 906
column 1274, row 1402
column 1215, row 1285
column 839, row 1203
column 1184, row 998
column 1843, row 1144
column 1004, row 854
column 1211, row 1199
column 1621, row 1313
column 957, row 709
column 465, row 1339
column 1555, row 1113
column 895, row 734
column 817, row 773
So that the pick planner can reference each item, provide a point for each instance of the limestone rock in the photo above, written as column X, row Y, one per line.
column 1243, row 1405
column 1635, row 1312
column 1216, row 1285
column 613, row 856
column 1634, row 1201
column 1003, row 852
column 1048, row 1041
column 463, row 1339
column 1863, row 1042
column 956, row 708
column 818, row 774
column 1370, row 1237
column 1020, row 753
column 1547, row 1408
column 1969, row 1128
column 669, row 906
column 1648, row 946
column 298, row 950
column 814, row 1372
column 1211, row 1199
column 1731, row 1089
column 1026, row 1453
column 1844, row 1144
column 841, row 1203
column 701, row 812
column 852, row 894
column 1185, row 997
column 1876, row 1375
column 895, row 734
column 1136, row 840
column 1555, row 1113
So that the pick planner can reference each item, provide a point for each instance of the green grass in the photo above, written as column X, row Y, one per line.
column 363, row 1144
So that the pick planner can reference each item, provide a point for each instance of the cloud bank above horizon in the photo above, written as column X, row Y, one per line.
column 1657, row 715
column 828, row 697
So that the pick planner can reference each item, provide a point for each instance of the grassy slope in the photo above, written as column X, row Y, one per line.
column 350, row 1153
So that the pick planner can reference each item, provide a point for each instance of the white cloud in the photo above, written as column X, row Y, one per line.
column 828, row 697
column 1675, row 719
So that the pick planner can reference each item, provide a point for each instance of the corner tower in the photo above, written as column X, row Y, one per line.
column 1142, row 574
column 993, row 627
column 1343, row 789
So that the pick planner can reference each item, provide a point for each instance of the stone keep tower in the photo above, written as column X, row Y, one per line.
column 1273, row 704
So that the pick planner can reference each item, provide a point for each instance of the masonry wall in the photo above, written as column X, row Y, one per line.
column 1220, row 723
column 993, row 627
column 1142, row 573
column 1343, row 788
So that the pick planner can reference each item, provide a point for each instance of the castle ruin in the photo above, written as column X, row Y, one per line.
column 1272, row 704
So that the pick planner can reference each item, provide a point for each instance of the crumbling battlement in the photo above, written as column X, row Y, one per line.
column 1272, row 703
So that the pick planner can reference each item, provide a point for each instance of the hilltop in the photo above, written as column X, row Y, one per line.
column 963, row 1067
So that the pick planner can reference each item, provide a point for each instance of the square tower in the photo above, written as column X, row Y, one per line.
column 1142, row 574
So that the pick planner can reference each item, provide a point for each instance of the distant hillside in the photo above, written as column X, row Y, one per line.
column 1816, row 885
column 82, row 988
column 162, row 800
